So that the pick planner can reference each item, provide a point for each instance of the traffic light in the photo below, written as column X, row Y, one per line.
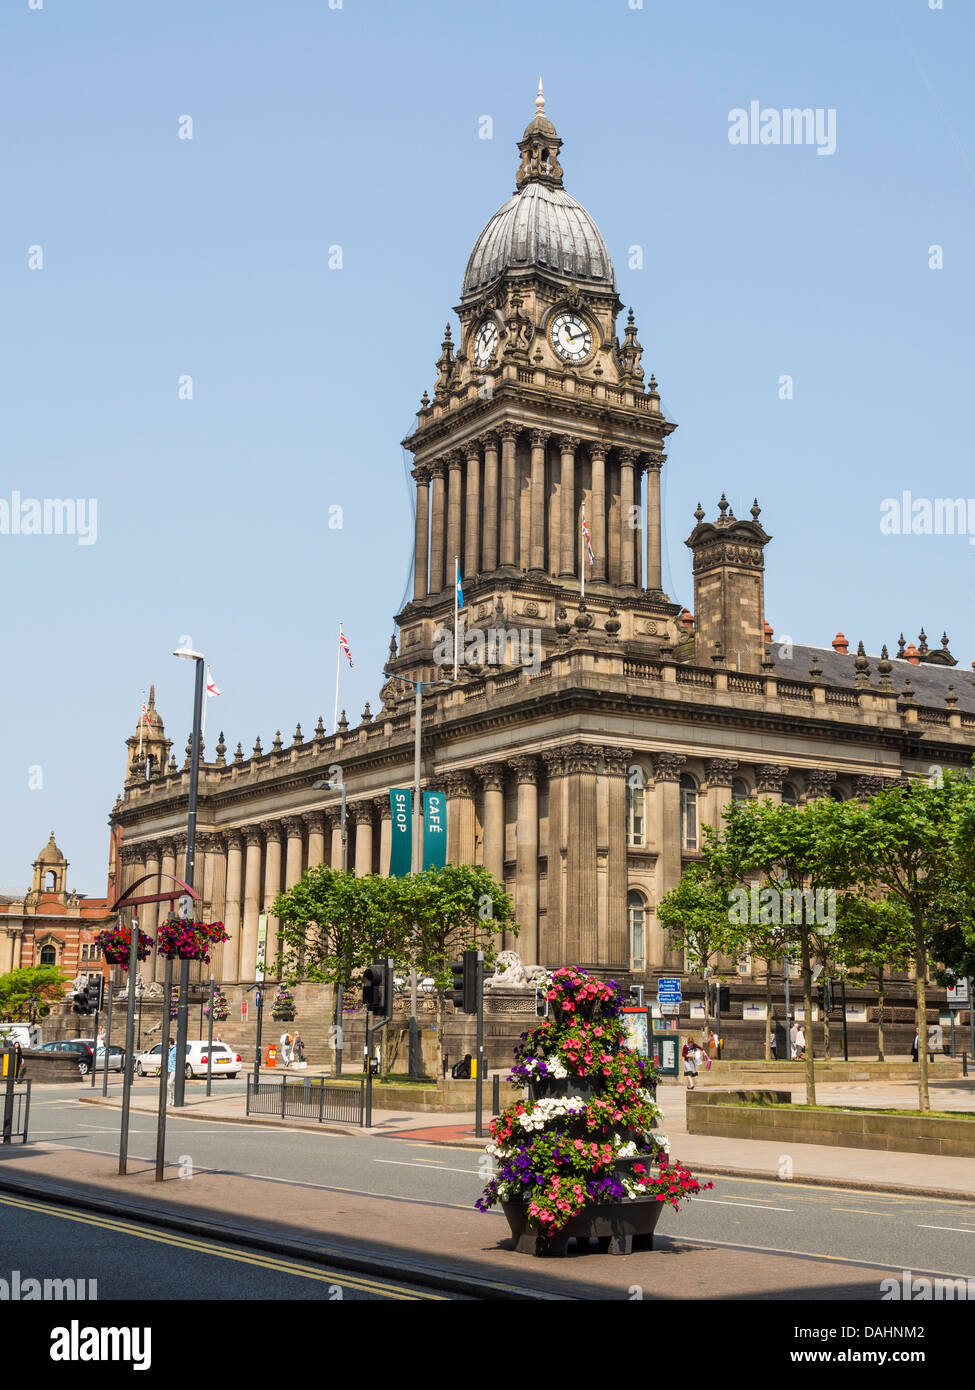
column 377, row 988
column 463, row 983
column 95, row 991
column 724, row 999
column 80, row 1001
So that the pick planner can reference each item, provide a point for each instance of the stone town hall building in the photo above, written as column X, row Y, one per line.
column 539, row 410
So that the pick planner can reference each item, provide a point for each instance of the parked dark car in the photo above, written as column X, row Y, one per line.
column 84, row 1051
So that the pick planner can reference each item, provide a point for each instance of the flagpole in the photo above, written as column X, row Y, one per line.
column 338, row 668
column 206, row 701
column 456, row 581
column 142, row 715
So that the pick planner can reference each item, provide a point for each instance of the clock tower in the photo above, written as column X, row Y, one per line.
column 538, row 458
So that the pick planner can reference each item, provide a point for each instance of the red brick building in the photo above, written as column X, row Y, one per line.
column 50, row 924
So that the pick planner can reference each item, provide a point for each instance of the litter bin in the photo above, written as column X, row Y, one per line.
column 271, row 1056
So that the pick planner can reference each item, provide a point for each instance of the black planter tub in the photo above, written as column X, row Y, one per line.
column 619, row 1227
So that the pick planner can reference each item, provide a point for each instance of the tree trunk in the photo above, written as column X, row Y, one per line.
column 826, row 985
column 880, row 1014
column 807, row 1021
column 920, row 983
column 440, row 1036
column 768, row 1011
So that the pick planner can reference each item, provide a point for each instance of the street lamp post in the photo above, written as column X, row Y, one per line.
column 182, row 1016
column 416, row 862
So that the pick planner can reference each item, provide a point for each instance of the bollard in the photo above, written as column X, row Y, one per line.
column 496, row 1094
column 964, row 1064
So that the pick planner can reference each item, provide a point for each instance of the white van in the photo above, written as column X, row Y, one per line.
column 28, row 1035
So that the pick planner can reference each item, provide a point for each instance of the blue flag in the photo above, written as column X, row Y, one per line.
column 460, row 587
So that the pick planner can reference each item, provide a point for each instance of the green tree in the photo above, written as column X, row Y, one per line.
column 696, row 915
column 873, row 938
column 45, row 983
column 908, row 843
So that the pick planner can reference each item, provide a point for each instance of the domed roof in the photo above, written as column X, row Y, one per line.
column 545, row 227
column 540, row 225
column 50, row 854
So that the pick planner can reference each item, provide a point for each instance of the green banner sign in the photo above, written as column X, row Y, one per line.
column 401, row 847
column 434, row 830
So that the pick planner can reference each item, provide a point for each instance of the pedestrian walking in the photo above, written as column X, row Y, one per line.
column 915, row 1045
column 689, row 1052
column 171, row 1070
column 286, row 1049
column 793, row 1035
column 773, row 1046
column 298, row 1048
column 800, row 1044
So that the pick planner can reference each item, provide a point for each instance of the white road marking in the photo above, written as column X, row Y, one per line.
column 401, row 1163
column 716, row 1202
column 965, row 1230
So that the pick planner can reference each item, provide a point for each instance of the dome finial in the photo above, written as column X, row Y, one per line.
column 540, row 99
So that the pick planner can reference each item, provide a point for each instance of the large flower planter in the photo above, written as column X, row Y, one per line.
column 617, row 1226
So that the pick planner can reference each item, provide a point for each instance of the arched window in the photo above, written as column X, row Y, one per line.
column 636, row 811
column 636, row 921
column 790, row 797
column 49, row 955
column 688, row 812
column 739, row 790
column 51, row 885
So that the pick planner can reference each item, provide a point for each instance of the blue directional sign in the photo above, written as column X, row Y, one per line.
column 668, row 991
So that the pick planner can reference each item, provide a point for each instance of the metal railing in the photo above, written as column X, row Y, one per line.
column 15, row 1109
column 310, row 1098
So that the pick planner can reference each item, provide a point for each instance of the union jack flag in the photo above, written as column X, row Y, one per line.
column 585, row 532
column 146, row 715
column 345, row 646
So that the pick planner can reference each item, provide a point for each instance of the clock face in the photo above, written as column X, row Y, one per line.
column 485, row 343
column 571, row 337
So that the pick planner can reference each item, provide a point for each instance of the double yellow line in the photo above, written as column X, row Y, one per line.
column 341, row 1278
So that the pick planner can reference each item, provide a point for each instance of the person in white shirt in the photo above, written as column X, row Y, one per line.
column 286, row 1048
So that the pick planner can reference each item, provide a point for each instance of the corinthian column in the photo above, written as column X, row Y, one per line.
column 509, row 436
column 384, row 811
column 455, row 464
column 581, row 923
column 597, row 453
column 232, row 910
column 490, row 558
column 292, row 867
column 166, row 874
column 539, row 439
column 334, row 817
column 567, row 539
column 361, row 813
column 616, row 948
column 437, row 472
column 460, row 817
column 215, row 891
column 252, row 901
column 272, row 862
column 666, row 815
column 420, row 548
column 150, row 911
column 492, row 780
column 628, row 458
column 315, row 821
column 525, row 768
column 654, row 579
column 472, row 525
column 553, row 951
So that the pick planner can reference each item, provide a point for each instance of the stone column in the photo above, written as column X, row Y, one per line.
column 460, row 817
column 720, row 772
column 181, row 859
column 215, row 893
column 666, row 810
column 18, row 948
column 253, row 898
column 438, row 472
column 539, row 439
column 580, row 902
column 150, row 911
column 315, row 822
column 334, row 817
column 770, row 777
column 455, row 475
column 167, row 871
column 654, row 577
column 492, row 780
column 567, row 537
column 628, row 458
column 471, row 559
column 273, row 830
column 361, row 813
column 384, row 811
column 597, row 453
column 293, row 829
column 553, row 950
column 638, row 471
column 489, row 561
column 615, row 949
column 232, row 918
column 525, row 768
column 509, row 499
column 421, row 543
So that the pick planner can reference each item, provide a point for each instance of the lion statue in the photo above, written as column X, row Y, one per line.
column 510, row 973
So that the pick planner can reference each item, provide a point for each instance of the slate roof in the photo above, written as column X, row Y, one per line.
column 930, row 682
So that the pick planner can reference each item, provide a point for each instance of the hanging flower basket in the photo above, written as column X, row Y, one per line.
column 115, row 942
column 578, row 1158
column 283, row 1006
column 185, row 940
column 221, row 1010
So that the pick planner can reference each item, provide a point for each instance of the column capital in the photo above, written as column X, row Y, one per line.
column 360, row 812
column 153, row 849
column 539, row 438
column 720, row 771
column 818, row 782
column 454, row 458
column 554, row 760
column 438, row 469
column 421, row 473
column 253, row 835
column 867, row 786
column 525, row 767
column 769, row 777
column 382, row 808
column 597, row 449
column 509, row 432
column 315, row 821
column 292, row 827
column 272, row 829
column 488, row 440
column 654, row 464
column 234, row 838
column 333, row 816
column 208, row 843
column 667, row 767
column 568, row 443
column 472, row 449
column 629, row 456
column 167, row 846
column 617, row 760
column 582, row 757
column 460, row 784
column 492, row 777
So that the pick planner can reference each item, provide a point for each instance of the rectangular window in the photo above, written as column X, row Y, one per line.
column 635, row 832
column 856, row 1013
column 745, row 967
column 688, row 819
column 753, row 1011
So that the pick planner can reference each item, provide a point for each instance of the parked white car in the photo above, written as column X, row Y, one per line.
column 224, row 1060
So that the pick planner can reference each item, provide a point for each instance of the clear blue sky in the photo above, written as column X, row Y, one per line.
column 358, row 126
